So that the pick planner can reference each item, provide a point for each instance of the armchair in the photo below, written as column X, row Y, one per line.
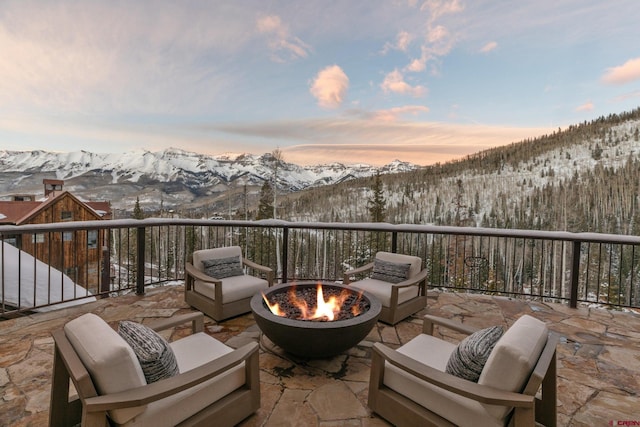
column 397, row 280
column 410, row 386
column 215, row 384
column 216, row 284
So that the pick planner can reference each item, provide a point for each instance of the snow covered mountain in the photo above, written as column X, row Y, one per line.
column 172, row 176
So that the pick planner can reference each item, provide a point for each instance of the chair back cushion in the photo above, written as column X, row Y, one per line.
column 216, row 253
column 513, row 358
column 416, row 262
column 108, row 358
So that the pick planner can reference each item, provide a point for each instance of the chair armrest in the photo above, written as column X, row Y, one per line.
column 412, row 281
column 151, row 392
column 462, row 387
column 263, row 268
column 199, row 275
column 429, row 321
column 196, row 318
column 347, row 274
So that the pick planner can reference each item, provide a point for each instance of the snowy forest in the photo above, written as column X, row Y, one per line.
column 583, row 178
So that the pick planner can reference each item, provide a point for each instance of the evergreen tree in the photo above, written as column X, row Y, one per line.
column 138, row 213
column 377, row 203
column 265, row 208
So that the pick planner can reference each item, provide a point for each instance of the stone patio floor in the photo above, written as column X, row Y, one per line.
column 598, row 360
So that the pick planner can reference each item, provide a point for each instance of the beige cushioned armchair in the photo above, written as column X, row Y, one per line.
column 410, row 386
column 215, row 385
column 401, row 299
column 222, row 298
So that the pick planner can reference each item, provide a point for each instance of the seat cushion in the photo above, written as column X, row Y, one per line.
column 382, row 290
column 234, row 288
column 469, row 357
column 513, row 358
column 191, row 352
column 108, row 358
column 435, row 352
column 153, row 352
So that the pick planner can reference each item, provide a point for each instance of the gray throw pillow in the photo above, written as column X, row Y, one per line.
column 471, row 354
column 154, row 353
column 220, row 268
column 392, row 272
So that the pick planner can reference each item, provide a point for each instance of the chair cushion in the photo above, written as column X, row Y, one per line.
column 223, row 252
column 415, row 261
column 387, row 271
column 435, row 352
column 470, row 356
column 220, row 268
column 108, row 358
column 382, row 290
column 153, row 351
column 513, row 358
column 193, row 351
column 234, row 288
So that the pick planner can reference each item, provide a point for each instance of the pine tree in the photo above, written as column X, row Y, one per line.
column 138, row 213
column 377, row 203
column 265, row 208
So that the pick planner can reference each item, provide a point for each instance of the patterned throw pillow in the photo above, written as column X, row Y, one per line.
column 156, row 357
column 392, row 272
column 220, row 268
column 471, row 354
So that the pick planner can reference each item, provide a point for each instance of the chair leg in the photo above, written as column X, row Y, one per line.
column 61, row 411
column 546, row 409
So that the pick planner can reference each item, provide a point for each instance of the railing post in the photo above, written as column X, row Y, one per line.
column 394, row 242
column 105, row 280
column 140, row 257
column 575, row 273
column 285, row 253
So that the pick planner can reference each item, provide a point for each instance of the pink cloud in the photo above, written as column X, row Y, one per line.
column 588, row 106
column 280, row 40
column 330, row 87
column 625, row 73
column 489, row 47
column 394, row 82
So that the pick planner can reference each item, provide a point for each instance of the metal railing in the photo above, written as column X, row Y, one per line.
column 129, row 255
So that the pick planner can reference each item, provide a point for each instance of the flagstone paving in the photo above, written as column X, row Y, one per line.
column 598, row 359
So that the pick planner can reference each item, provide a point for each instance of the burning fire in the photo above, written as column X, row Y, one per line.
column 324, row 309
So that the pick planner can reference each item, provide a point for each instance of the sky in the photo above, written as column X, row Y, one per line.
column 350, row 81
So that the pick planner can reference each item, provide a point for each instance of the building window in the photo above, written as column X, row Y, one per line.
column 92, row 239
column 37, row 238
column 66, row 216
column 13, row 241
column 67, row 236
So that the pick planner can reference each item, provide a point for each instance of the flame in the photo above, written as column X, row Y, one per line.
column 324, row 310
column 275, row 307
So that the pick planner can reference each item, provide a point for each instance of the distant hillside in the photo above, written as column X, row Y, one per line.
column 584, row 178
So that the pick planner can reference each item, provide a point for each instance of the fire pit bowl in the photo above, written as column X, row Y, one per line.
column 314, row 339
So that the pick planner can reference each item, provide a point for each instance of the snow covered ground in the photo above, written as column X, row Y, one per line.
column 39, row 284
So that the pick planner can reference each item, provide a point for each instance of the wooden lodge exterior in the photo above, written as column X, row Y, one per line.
column 78, row 254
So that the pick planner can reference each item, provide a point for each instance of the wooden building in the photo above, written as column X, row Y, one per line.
column 79, row 254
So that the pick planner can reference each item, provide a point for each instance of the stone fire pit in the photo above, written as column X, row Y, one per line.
column 314, row 339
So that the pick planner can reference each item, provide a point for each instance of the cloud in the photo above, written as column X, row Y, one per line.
column 403, row 39
column 489, row 47
column 392, row 114
column 587, row 106
column 374, row 141
column 330, row 87
column 438, row 39
column 280, row 40
column 394, row 82
column 625, row 73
